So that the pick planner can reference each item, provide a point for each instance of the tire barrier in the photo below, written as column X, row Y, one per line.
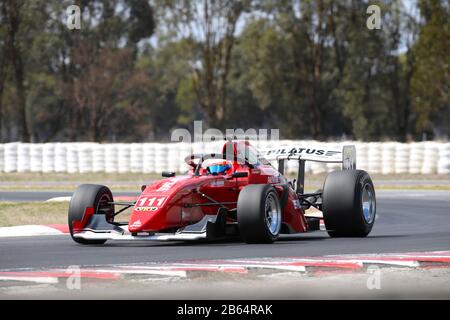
column 443, row 164
column 85, row 157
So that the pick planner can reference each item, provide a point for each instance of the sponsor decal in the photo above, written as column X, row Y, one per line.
column 137, row 223
column 296, row 204
column 217, row 183
column 166, row 186
column 146, row 209
column 302, row 151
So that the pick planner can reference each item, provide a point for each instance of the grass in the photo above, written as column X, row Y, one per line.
column 13, row 214
column 27, row 213
column 69, row 182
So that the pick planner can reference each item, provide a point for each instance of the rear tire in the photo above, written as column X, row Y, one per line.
column 89, row 196
column 348, row 203
column 259, row 214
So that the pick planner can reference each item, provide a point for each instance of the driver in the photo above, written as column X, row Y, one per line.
column 219, row 167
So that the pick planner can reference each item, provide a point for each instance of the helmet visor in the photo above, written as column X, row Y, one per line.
column 220, row 168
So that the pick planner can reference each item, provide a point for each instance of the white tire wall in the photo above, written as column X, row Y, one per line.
column 160, row 155
column 36, row 158
column 430, row 158
column 362, row 156
column 416, row 157
column 123, row 158
column 388, row 158
column 185, row 150
column 136, row 158
column 148, row 160
column 10, row 156
column 443, row 165
column 98, row 158
column 2, row 158
column 111, row 158
column 23, row 157
column 85, row 157
column 375, row 157
column 72, row 158
column 61, row 157
column 48, row 158
column 402, row 158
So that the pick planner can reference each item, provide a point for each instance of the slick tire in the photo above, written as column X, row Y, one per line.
column 348, row 203
column 89, row 196
column 259, row 214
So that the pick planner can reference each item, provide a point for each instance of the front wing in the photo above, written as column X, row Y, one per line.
column 207, row 228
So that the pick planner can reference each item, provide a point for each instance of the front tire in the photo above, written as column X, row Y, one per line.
column 348, row 203
column 89, row 196
column 259, row 214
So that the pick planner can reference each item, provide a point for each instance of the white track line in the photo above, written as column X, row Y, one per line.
column 28, row 230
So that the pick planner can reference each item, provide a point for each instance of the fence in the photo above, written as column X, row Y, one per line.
column 375, row 157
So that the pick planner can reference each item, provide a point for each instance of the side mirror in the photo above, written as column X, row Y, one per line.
column 241, row 174
column 168, row 174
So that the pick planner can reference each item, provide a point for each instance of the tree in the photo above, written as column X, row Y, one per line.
column 260, row 79
column 96, row 57
column 3, row 60
column 296, row 60
column 366, row 93
column 400, row 21
column 13, row 20
column 211, row 25
column 311, row 68
column 431, row 79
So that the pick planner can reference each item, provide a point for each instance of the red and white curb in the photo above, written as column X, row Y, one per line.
column 34, row 230
column 309, row 266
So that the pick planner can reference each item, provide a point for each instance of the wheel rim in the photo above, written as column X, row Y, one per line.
column 104, row 207
column 368, row 203
column 272, row 215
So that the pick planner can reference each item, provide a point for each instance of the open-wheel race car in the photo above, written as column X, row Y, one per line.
column 233, row 193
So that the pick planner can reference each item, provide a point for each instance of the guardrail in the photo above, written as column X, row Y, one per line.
column 375, row 157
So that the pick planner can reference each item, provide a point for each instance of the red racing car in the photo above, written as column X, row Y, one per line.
column 233, row 193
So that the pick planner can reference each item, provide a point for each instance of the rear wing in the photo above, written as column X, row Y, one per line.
column 346, row 156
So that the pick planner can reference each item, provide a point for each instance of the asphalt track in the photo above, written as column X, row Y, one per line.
column 407, row 221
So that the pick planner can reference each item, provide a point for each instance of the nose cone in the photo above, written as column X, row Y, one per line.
column 158, row 207
column 148, row 209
